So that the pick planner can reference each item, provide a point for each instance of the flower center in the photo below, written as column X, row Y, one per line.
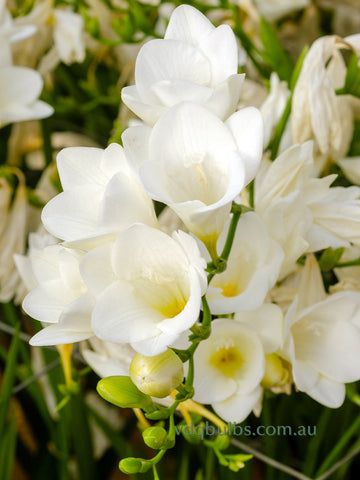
column 228, row 360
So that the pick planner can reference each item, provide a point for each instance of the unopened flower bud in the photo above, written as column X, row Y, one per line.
column 122, row 392
column 276, row 373
column 157, row 376
column 132, row 465
column 155, row 437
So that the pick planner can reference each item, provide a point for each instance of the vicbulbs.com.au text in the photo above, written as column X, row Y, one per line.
column 207, row 429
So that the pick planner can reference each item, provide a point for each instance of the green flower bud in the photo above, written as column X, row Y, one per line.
column 123, row 393
column 155, row 437
column 130, row 465
column 157, row 376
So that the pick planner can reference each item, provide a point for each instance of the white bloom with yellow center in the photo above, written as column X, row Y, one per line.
column 229, row 367
column 102, row 196
column 197, row 164
column 194, row 62
column 156, row 290
column 252, row 268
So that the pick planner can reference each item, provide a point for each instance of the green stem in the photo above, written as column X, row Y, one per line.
column 209, row 464
column 279, row 131
column 230, row 236
column 47, row 147
column 335, row 452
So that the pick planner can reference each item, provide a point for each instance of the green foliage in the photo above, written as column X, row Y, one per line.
column 329, row 258
column 274, row 53
column 352, row 79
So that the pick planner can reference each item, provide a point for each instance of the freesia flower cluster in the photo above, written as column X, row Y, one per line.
column 220, row 298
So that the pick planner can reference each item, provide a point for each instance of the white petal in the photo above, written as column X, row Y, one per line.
column 328, row 392
column 146, row 111
column 247, row 128
column 73, row 214
column 120, row 317
column 96, row 268
column 221, row 49
column 166, row 60
column 237, row 407
column 189, row 25
column 54, row 335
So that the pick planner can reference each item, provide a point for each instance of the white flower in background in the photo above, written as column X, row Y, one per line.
column 102, row 196
column 10, row 33
column 197, row 164
column 148, row 287
column 13, row 224
column 252, row 268
column 322, row 339
column 304, row 214
column 273, row 10
column 60, row 297
column 273, row 108
column 229, row 367
column 317, row 112
column 20, row 89
column 68, row 36
column 194, row 62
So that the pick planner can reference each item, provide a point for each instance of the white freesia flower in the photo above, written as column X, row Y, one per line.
column 68, row 36
column 10, row 33
column 148, row 288
column 229, row 367
column 252, row 268
column 304, row 214
column 197, row 164
column 194, row 62
column 273, row 10
column 60, row 297
column 273, row 108
column 20, row 88
column 322, row 340
column 102, row 196
column 317, row 112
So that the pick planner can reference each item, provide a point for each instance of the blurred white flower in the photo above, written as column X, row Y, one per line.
column 13, row 224
column 102, row 196
column 273, row 108
column 322, row 340
column 197, row 164
column 229, row 367
column 194, row 62
column 148, row 288
column 20, row 88
column 68, row 36
column 273, row 10
column 252, row 268
column 10, row 33
column 317, row 112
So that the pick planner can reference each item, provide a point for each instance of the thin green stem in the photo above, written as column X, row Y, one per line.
column 47, row 147
column 340, row 445
column 230, row 236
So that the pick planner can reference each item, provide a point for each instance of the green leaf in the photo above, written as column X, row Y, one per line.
column 352, row 79
column 7, row 449
column 329, row 258
column 274, row 53
column 8, row 379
